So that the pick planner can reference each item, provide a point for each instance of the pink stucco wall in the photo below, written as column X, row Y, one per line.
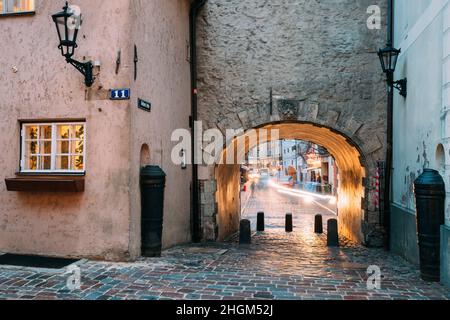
column 161, row 33
column 104, row 221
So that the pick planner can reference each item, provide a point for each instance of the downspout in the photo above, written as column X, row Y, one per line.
column 196, row 5
column 389, row 134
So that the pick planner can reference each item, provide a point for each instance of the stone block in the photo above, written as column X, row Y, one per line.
column 308, row 112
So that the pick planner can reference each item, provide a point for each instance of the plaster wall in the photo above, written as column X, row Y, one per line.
column 104, row 221
column 421, row 121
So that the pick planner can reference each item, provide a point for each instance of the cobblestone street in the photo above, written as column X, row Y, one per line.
column 275, row 266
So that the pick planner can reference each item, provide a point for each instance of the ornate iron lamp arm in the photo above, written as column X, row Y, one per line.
column 401, row 86
column 85, row 68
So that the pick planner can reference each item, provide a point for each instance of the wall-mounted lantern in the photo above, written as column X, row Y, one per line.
column 67, row 24
column 388, row 58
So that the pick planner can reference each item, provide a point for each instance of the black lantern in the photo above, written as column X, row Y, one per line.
column 388, row 58
column 67, row 26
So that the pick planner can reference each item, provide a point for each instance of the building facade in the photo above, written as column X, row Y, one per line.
column 267, row 155
column 422, row 32
column 55, row 128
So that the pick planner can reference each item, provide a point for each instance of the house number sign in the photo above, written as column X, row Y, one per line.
column 120, row 94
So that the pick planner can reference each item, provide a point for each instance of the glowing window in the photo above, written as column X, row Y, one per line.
column 53, row 147
column 16, row 6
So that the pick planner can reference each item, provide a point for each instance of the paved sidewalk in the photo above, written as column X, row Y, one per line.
column 275, row 266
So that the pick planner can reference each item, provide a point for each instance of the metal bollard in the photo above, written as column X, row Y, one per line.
column 318, row 224
column 260, row 222
column 332, row 233
column 245, row 232
column 429, row 190
column 289, row 226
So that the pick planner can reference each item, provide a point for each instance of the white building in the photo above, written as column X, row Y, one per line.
column 421, row 120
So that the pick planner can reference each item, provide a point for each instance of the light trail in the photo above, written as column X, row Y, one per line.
column 307, row 198
column 302, row 192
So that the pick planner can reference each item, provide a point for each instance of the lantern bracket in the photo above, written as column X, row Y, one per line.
column 401, row 86
column 85, row 68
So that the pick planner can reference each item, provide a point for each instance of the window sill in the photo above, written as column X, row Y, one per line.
column 50, row 174
column 16, row 14
column 47, row 183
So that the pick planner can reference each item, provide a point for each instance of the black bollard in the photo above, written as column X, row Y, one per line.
column 429, row 190
column 332, row 233
column 289, row 226
column 260, row 222
column 245, row 232
column 318, row 224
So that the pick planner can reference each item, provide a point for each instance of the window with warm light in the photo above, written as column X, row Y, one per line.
column 16, row 6
column 53, row 148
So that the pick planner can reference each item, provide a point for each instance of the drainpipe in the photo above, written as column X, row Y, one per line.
column 196, row 5
column 389, row 134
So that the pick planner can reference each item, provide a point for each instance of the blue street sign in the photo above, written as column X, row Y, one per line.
column 120, row 94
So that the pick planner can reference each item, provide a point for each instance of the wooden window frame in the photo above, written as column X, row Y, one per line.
column 54, row 147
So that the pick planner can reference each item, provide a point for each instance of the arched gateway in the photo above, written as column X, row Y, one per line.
column 358, row 218
column 308, row 68
column 352, row 171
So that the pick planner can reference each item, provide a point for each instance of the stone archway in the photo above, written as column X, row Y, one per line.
column 255, row 70
column 359, row 220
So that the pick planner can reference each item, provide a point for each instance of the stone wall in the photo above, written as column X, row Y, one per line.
column 320, row 55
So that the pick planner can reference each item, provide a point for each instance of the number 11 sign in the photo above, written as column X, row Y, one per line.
column 120, row 94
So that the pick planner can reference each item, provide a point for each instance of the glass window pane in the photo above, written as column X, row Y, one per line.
column 45, row 147
column 77, row 147
column 77, row 163
column 45, row 163
column 31, row 148
column 31, row 163
column 1, row 6
column 31, row 132
column 63, row 132
column 45, row 132
column 22, row 5
column 63, row 147
column 62, row 163
column 79, row 132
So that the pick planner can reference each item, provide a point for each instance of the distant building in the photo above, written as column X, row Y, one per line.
column 265, row 155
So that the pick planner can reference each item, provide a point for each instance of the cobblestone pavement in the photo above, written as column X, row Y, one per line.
column 275, row 266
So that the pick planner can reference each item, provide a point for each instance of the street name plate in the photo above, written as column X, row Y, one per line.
column 144, row 105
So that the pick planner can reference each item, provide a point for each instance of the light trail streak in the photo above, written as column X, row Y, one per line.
column 308, row 196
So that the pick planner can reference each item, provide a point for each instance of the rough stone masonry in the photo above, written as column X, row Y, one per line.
column 317, row 56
